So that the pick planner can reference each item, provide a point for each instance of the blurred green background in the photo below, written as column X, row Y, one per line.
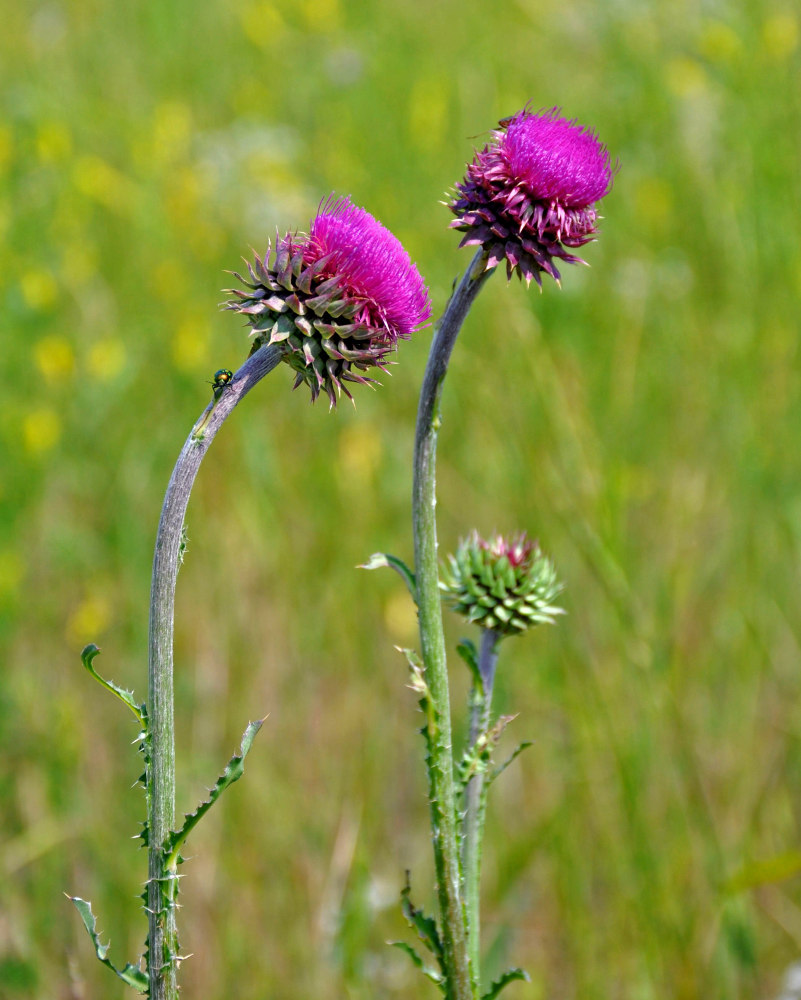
column 644, row 423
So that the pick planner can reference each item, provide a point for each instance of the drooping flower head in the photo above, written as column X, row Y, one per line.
column 504, row 584
column 337, row 299
column 531, row 193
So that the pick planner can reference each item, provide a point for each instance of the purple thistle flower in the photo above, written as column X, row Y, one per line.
column 337, row 299
column 531, row 193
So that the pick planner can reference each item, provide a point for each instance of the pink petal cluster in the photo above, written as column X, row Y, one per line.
column 531, row 193
column 557, row 160
column 518, row 550
column 372, row 267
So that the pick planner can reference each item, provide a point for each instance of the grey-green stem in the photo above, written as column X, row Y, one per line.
column 162, row 935
column 460, row 981
column 480, row 704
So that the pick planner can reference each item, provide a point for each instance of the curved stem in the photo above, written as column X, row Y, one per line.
column 442, row 797
column 480, row 702
column 163, row 958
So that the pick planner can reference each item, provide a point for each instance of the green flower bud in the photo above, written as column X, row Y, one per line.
column 503, row 584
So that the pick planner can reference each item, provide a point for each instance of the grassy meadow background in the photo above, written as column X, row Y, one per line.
column 644, row 423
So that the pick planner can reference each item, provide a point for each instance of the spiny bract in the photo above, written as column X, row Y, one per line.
column 503, row 584
column 337, row 300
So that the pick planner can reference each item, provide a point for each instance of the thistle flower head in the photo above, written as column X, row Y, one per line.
column 531, row 193
column 504, row 584
column 337, row 300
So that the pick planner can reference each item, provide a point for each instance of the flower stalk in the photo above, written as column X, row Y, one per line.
column 442, row 796
column 163, row 956
column 475, row 800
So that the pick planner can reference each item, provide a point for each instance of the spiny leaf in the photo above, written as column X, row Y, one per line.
column 474, row 761
column 380, row 559
column 419, row 685
column 426, row 927
column 508, row 977
column 131, row 974
column 233, row 772
column 502, row 767
column 477, row 758
column 432, row 974
column 468, row 652
column 88, row 654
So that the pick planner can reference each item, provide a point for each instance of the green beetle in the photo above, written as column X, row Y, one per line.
column 221, row 380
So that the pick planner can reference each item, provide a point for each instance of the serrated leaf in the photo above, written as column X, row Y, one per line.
column 477, row 758
column 378, row 560
column 432, row 974
column 426, row 927
column 502, row 767
column 127, row 697
column 131, row 974
column 419, row 685
column 508, row 977
column 233, row 772
column 474, row 761
column 468, row 652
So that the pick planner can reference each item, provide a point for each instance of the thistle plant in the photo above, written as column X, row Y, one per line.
column 527, row 199
column 505, row 586
column 332, row 304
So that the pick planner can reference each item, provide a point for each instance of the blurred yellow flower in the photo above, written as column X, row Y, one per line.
column 54, row 357
column 204, row 239
column 41, row 430
column 400, row 616
column 39, row 289
column 686, row 77
column 654, row 200
column 719, row 42
column 106, row 359
column 780, row 35
column 184, row 190
column 168, row 280
column 190, row 345
column 321, row 15
column 78, row 262
column 110, row 187
column 428, row 109
column 53, row 142
column 171, row 133
column 262, row 23
column 10, row 573
column 359, row 455
column 6, row 146
column 89, row 620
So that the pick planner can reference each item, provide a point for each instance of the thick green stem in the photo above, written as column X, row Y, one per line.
column 442, row 796
column 163, row 958
column 480, row 703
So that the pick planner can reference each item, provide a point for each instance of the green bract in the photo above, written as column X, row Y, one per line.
column 504, row 585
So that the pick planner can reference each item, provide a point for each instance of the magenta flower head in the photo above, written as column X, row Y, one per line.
column 529, row 196
column 338, row 299
column 504, row 584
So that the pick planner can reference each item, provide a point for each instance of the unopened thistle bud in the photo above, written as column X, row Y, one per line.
column 503, row 584
column 337, row 300
column 530, row 194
